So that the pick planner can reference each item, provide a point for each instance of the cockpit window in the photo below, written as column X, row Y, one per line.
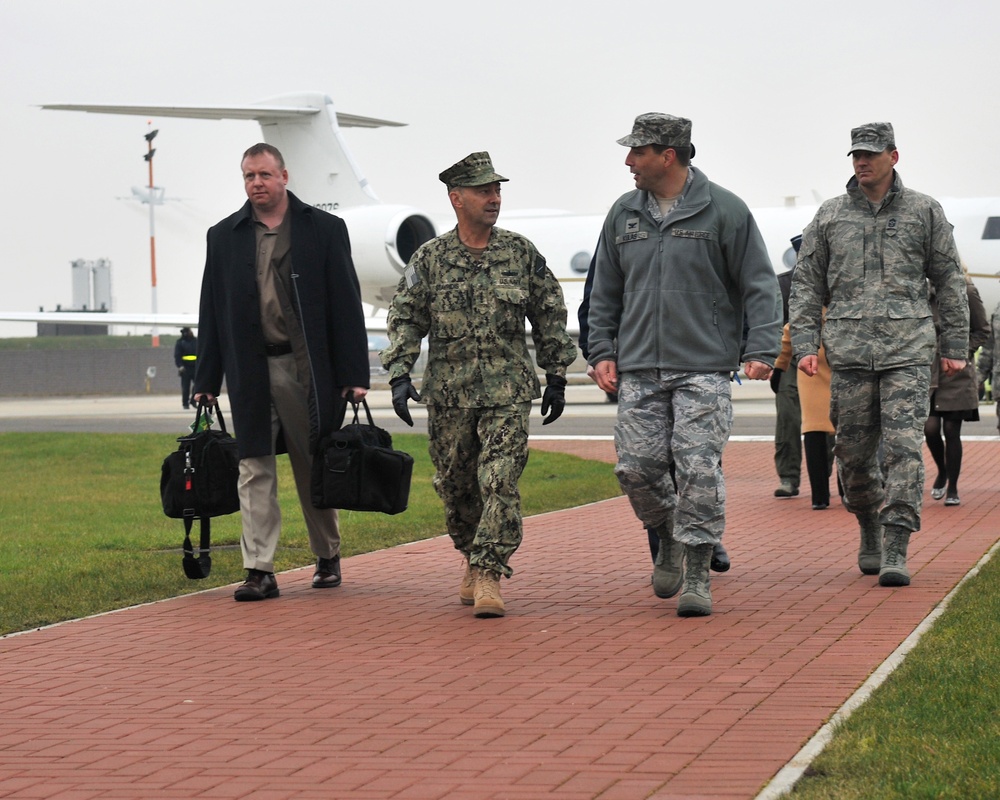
column 992, row 229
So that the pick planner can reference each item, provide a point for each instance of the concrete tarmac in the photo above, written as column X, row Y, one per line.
column 588, row 413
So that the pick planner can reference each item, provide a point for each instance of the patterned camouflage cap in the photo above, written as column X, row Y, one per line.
column 873, row 137
column 655, row 128
column 475, row 169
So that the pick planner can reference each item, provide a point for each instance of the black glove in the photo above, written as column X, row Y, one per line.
column 775, row 379
column 554, row 397
column 402, row 390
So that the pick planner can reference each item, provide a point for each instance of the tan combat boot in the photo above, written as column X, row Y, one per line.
column 870, row 552
column 488, row 602
column 696, row 599
column 467, row 591
column 668, row 571
column 893, row 571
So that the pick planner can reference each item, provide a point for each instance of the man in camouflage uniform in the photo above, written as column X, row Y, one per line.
column 679, row 263
column 469, row 291
column 874, row 249
column 989, row 361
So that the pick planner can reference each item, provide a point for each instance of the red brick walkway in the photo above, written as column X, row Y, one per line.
column 389, row 688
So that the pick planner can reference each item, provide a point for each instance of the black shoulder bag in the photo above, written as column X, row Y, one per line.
column 199, row 480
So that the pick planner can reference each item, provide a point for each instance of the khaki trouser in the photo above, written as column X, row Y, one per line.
column 259, row 478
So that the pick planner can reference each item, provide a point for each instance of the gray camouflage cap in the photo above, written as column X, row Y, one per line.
column 873, row 137
column 656, row 128
column 476, row 169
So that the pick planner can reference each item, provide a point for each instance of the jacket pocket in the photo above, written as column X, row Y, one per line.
column 511, row 307
column 450, row 311
column 907, row 308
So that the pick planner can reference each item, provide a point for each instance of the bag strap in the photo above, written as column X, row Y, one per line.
column 357, row 408
column 205, row 407
column 197, row 568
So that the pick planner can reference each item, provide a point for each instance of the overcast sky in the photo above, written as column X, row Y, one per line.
column 773, row 88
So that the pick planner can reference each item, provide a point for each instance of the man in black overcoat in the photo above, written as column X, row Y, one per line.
column 281, row 321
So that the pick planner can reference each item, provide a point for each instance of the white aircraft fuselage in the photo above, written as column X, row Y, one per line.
column 307, row 129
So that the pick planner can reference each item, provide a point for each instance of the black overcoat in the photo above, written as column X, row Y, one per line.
column 327, row 297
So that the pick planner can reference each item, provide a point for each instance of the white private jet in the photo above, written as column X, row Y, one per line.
column 322, row 171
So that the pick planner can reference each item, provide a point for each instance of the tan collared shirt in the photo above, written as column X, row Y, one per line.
column 274, row 256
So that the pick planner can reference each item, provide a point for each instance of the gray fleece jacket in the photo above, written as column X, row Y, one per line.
column 673, row 294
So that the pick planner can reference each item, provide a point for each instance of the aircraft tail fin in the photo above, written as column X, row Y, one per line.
column 304, row 127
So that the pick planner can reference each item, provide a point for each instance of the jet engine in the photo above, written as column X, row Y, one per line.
column 382, row 240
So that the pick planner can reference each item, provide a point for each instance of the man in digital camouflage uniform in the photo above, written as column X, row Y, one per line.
column 988, row 367
column 679, row 264
column 874, row 249
column 470, row 291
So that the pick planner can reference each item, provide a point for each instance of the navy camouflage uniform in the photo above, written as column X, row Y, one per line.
column 480, row 380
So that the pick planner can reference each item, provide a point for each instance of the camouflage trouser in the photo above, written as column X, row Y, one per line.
column 679, row 417
column 788, row 429
column 887, row 408
column 479, row 455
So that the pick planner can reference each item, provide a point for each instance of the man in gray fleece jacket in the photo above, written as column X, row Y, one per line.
column 680, row 264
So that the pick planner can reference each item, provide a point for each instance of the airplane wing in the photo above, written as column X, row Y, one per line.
column 372, row 324
column 260, row 113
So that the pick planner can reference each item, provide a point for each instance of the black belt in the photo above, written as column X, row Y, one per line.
column 278, row 349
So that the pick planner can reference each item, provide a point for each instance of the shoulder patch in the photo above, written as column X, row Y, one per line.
column 411, row 276
column 540, row 265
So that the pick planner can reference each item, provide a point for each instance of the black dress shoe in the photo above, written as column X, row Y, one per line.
column 327, row 574
column 720, row 559
column 820, row 506
column 258, row 586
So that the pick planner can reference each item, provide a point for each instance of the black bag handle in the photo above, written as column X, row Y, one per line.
column 357, row 408
column 205, row 406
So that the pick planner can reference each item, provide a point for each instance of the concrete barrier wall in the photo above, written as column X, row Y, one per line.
column 47, row 373
column 34, row 373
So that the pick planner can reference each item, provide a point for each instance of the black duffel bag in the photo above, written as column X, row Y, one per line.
column 199, row 480
column 356, row 469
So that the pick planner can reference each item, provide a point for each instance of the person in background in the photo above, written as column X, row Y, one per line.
column 281, row 320
column 186, row 359
column 818, row 435
column 988, row 367
column 788, row 414
column 470, row 291
column 954, row 400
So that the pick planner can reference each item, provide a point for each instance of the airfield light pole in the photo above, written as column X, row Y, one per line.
column 152, row 227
